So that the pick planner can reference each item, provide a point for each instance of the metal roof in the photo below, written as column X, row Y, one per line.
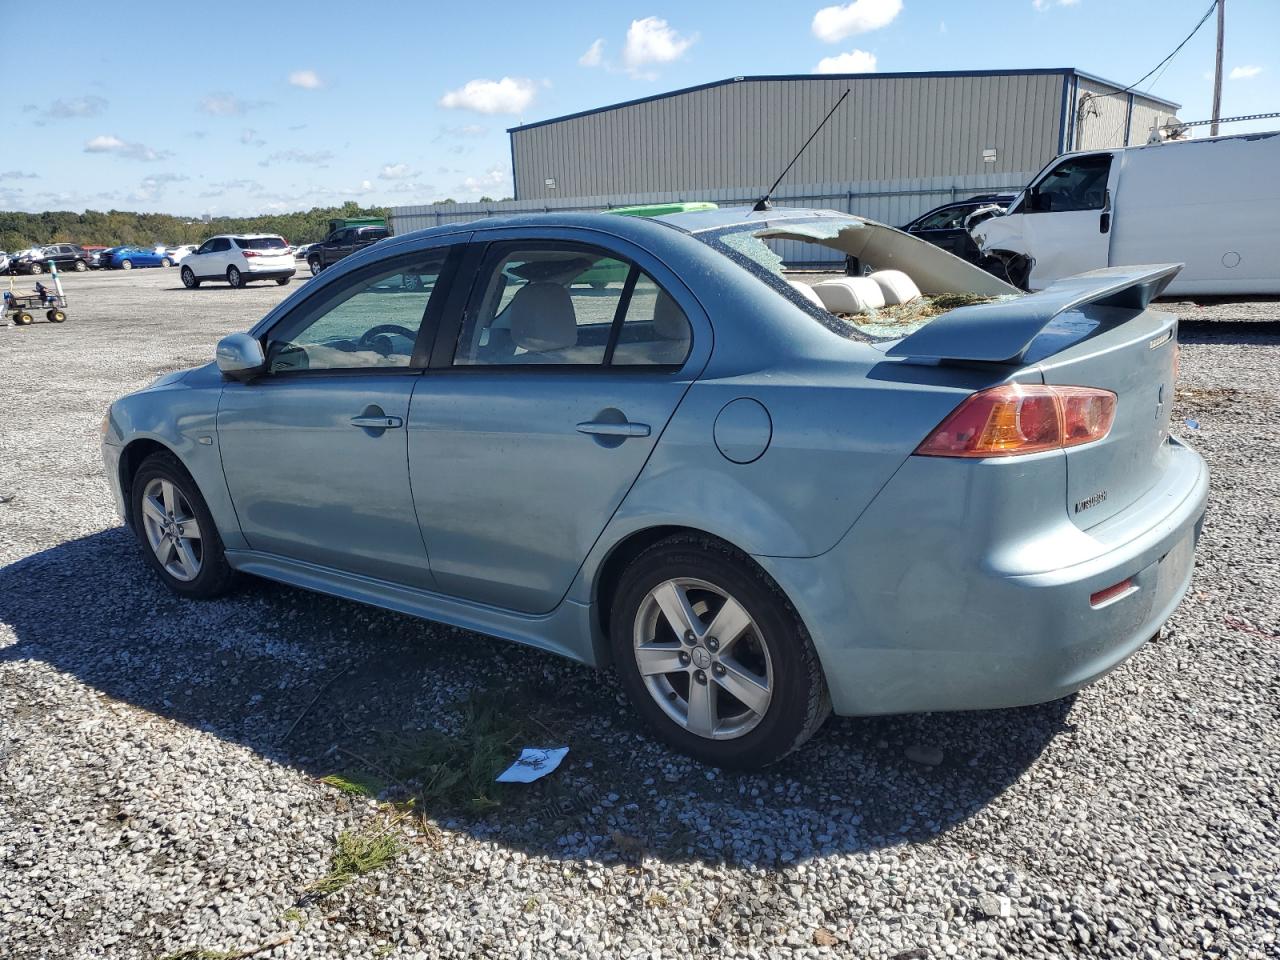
column 922, row 74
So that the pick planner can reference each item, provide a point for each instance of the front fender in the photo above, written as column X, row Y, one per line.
column 181, row 415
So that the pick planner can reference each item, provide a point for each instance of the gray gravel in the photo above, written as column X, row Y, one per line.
column 152, row 797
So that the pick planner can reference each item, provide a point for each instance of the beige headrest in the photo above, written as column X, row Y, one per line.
column 896, row 286
column 850, row 294
column 806, row 291
column 542, row 318
column 668, row 319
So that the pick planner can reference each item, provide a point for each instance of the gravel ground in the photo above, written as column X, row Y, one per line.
column 160, row 761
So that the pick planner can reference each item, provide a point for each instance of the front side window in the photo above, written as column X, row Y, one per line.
column 949, row 219
column 569, row 305
column 371, row 321
column 1076, row 184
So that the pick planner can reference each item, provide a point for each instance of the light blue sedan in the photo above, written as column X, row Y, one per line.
column 643, row 442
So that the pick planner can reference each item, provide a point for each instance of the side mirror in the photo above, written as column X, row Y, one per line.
column 240, row 357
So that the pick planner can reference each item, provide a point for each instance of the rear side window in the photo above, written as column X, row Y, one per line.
column 261, row 243
column 570, row 305
column 375, row 233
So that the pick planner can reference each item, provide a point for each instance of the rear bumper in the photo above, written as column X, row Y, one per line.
column 268, row 273
column 930, row 603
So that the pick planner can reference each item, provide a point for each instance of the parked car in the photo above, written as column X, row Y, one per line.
column 1203, row 203
column 342, row 243
column 301, row 250
column 239, row 259
column 179, row 253
column 95, row 255
column 66, row 256
column 948, row 226
column 4, row 262
column 128, row 257
column 755, row 510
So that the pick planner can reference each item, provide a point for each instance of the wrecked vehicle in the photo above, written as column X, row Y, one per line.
column 1211, row 204
column 759, row 500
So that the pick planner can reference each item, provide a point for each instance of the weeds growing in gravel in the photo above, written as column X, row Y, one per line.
column 357, row 785
column 357, row 853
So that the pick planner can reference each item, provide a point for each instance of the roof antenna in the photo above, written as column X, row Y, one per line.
column 763, row 203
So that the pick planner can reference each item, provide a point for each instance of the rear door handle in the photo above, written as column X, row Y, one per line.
column 624, row 429
column 377, row 423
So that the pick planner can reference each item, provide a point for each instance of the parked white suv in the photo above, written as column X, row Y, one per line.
column 238, row 259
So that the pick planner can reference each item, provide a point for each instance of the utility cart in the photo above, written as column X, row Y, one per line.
column 22, row 308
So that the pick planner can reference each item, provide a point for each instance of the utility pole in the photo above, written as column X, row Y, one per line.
column 1217, row 74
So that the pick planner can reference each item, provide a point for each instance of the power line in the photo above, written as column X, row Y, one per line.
column 1207, row 14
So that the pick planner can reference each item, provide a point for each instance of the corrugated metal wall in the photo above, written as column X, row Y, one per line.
column 888, row 201
column 740, row 135
column 1107, row 117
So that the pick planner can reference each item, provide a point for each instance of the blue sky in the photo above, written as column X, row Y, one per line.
column 281, row 106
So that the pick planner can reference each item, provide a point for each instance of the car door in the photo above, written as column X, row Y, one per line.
column 945, row 228
column 1067, row 218
column 314, row 450
column 541, row 407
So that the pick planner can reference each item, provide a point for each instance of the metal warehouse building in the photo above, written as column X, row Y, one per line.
column 900, row 144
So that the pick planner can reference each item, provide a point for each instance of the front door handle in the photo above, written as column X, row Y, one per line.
column 380, row 422
column 624, row 429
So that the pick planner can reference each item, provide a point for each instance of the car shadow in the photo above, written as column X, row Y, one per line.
column 332, row 687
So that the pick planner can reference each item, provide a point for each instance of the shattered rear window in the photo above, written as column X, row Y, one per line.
column 945, row 282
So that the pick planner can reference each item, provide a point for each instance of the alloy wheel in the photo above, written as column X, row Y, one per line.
column 172, row 530
column 703, row 659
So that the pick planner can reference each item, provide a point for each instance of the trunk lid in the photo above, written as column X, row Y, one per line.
column 1133, row 357
column 1091, row 330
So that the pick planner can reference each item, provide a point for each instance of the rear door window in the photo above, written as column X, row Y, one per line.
column 569, row 304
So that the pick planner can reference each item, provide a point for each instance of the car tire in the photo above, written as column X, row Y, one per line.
column 81, row 266
column 37, row 269
column 235, row 277
column 126, row 264
column 315, row 265
column 773, row 647
column 189, row 278
column 212, row 575
column 166, row 262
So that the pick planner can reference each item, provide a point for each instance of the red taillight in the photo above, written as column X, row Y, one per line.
column 252, row 253
column 1017, row 418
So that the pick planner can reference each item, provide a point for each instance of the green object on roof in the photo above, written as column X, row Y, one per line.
column 662, row 209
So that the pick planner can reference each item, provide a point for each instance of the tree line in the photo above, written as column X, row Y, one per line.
column 116, row 227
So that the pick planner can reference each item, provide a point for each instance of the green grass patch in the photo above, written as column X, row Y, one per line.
column 457, row 770
column 355, row 784
column 356, row 854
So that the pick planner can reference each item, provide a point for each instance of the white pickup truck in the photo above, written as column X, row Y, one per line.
column 1212, row 204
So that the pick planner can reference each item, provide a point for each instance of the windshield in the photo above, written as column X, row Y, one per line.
column 859, row 278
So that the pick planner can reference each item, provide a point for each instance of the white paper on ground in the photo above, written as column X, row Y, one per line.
column 533, row 764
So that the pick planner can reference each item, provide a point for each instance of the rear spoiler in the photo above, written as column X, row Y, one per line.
column 1001, row 332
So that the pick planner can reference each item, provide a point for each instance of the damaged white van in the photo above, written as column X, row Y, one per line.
column 1212, row 204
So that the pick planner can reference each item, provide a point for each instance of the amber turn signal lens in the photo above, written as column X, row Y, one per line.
column 1017, row 418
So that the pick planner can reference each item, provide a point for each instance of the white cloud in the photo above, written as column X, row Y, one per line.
column 1247, row 72
column 397, row 171
column 228, row 105
column 833, row 24
column 307, row 79
column 1043, row 5
column 508, row 95
column 855, row 61
column 153, row 188
column 320, row 157
column 107, row 143
column 653, row 40
column 249, row 137
column 71, row 107
column 495, row 180
column 594, row 55
column 18, row 175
